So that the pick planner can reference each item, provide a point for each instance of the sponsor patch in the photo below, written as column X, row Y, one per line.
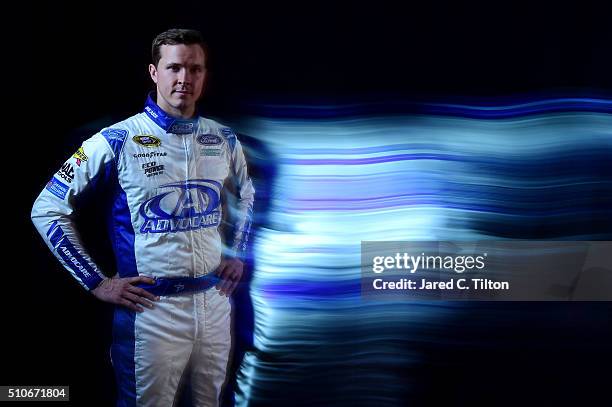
column 151, row 169
column 66, row 172
column 226, row 131
column 183, row 206
column 115, row 134
column 209, row 139
column 210, row 152
column 81, row 268
column 151, row 112
column 151, row 154
column 147, row 140
column 57, row 188
column 70, row 256
column 80, row 156
column 181, row 128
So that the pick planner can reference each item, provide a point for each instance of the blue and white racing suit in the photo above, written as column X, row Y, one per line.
column 166, row 176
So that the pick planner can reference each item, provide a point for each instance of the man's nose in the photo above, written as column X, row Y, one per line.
column 183, row 76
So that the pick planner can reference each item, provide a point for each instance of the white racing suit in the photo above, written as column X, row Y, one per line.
column 166, row 176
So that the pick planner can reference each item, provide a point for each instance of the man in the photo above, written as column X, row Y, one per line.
column 166, row 168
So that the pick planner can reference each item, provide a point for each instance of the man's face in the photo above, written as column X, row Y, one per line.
column 179, row 76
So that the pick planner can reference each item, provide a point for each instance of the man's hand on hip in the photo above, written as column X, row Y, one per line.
column 122, row 291
column 230, row 271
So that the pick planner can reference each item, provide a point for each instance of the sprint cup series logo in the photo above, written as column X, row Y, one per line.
column 188, row 205
column 147, row 140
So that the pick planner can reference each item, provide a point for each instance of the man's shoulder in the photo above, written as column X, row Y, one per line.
column 217, row 127
column 117, row 133
column 121, row 130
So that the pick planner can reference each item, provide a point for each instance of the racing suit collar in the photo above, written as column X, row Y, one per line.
column 165, row 121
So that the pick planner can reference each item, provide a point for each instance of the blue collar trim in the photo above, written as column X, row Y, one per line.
column 167, row 122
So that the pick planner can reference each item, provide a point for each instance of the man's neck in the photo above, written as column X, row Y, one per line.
column 174, row 112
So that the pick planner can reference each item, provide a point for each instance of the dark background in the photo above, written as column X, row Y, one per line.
column 74, row 64
column 94, row 56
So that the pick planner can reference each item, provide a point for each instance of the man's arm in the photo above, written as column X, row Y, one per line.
column 92, row 165
column 244, row 209
column 230, row 269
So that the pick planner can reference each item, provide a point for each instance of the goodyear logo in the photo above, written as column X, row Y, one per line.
column 80, row 156
column 147, row 140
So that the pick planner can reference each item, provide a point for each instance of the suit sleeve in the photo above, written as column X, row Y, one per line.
column 52, row 213
column 243, row 215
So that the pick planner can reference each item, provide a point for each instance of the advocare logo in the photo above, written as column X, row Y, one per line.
column 188, row 205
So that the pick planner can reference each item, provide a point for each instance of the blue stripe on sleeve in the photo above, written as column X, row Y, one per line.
column 84, row 271
column 56, row 236
column 53, row 225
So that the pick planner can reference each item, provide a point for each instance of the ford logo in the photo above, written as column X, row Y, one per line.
column 209, row 139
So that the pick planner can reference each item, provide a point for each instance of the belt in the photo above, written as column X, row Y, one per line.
column 180, row 285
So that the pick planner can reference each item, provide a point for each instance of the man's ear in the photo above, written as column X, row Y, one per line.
column 206, row 74
column 153, row 72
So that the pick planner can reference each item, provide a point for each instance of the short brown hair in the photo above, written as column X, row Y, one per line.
column 176, row 36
